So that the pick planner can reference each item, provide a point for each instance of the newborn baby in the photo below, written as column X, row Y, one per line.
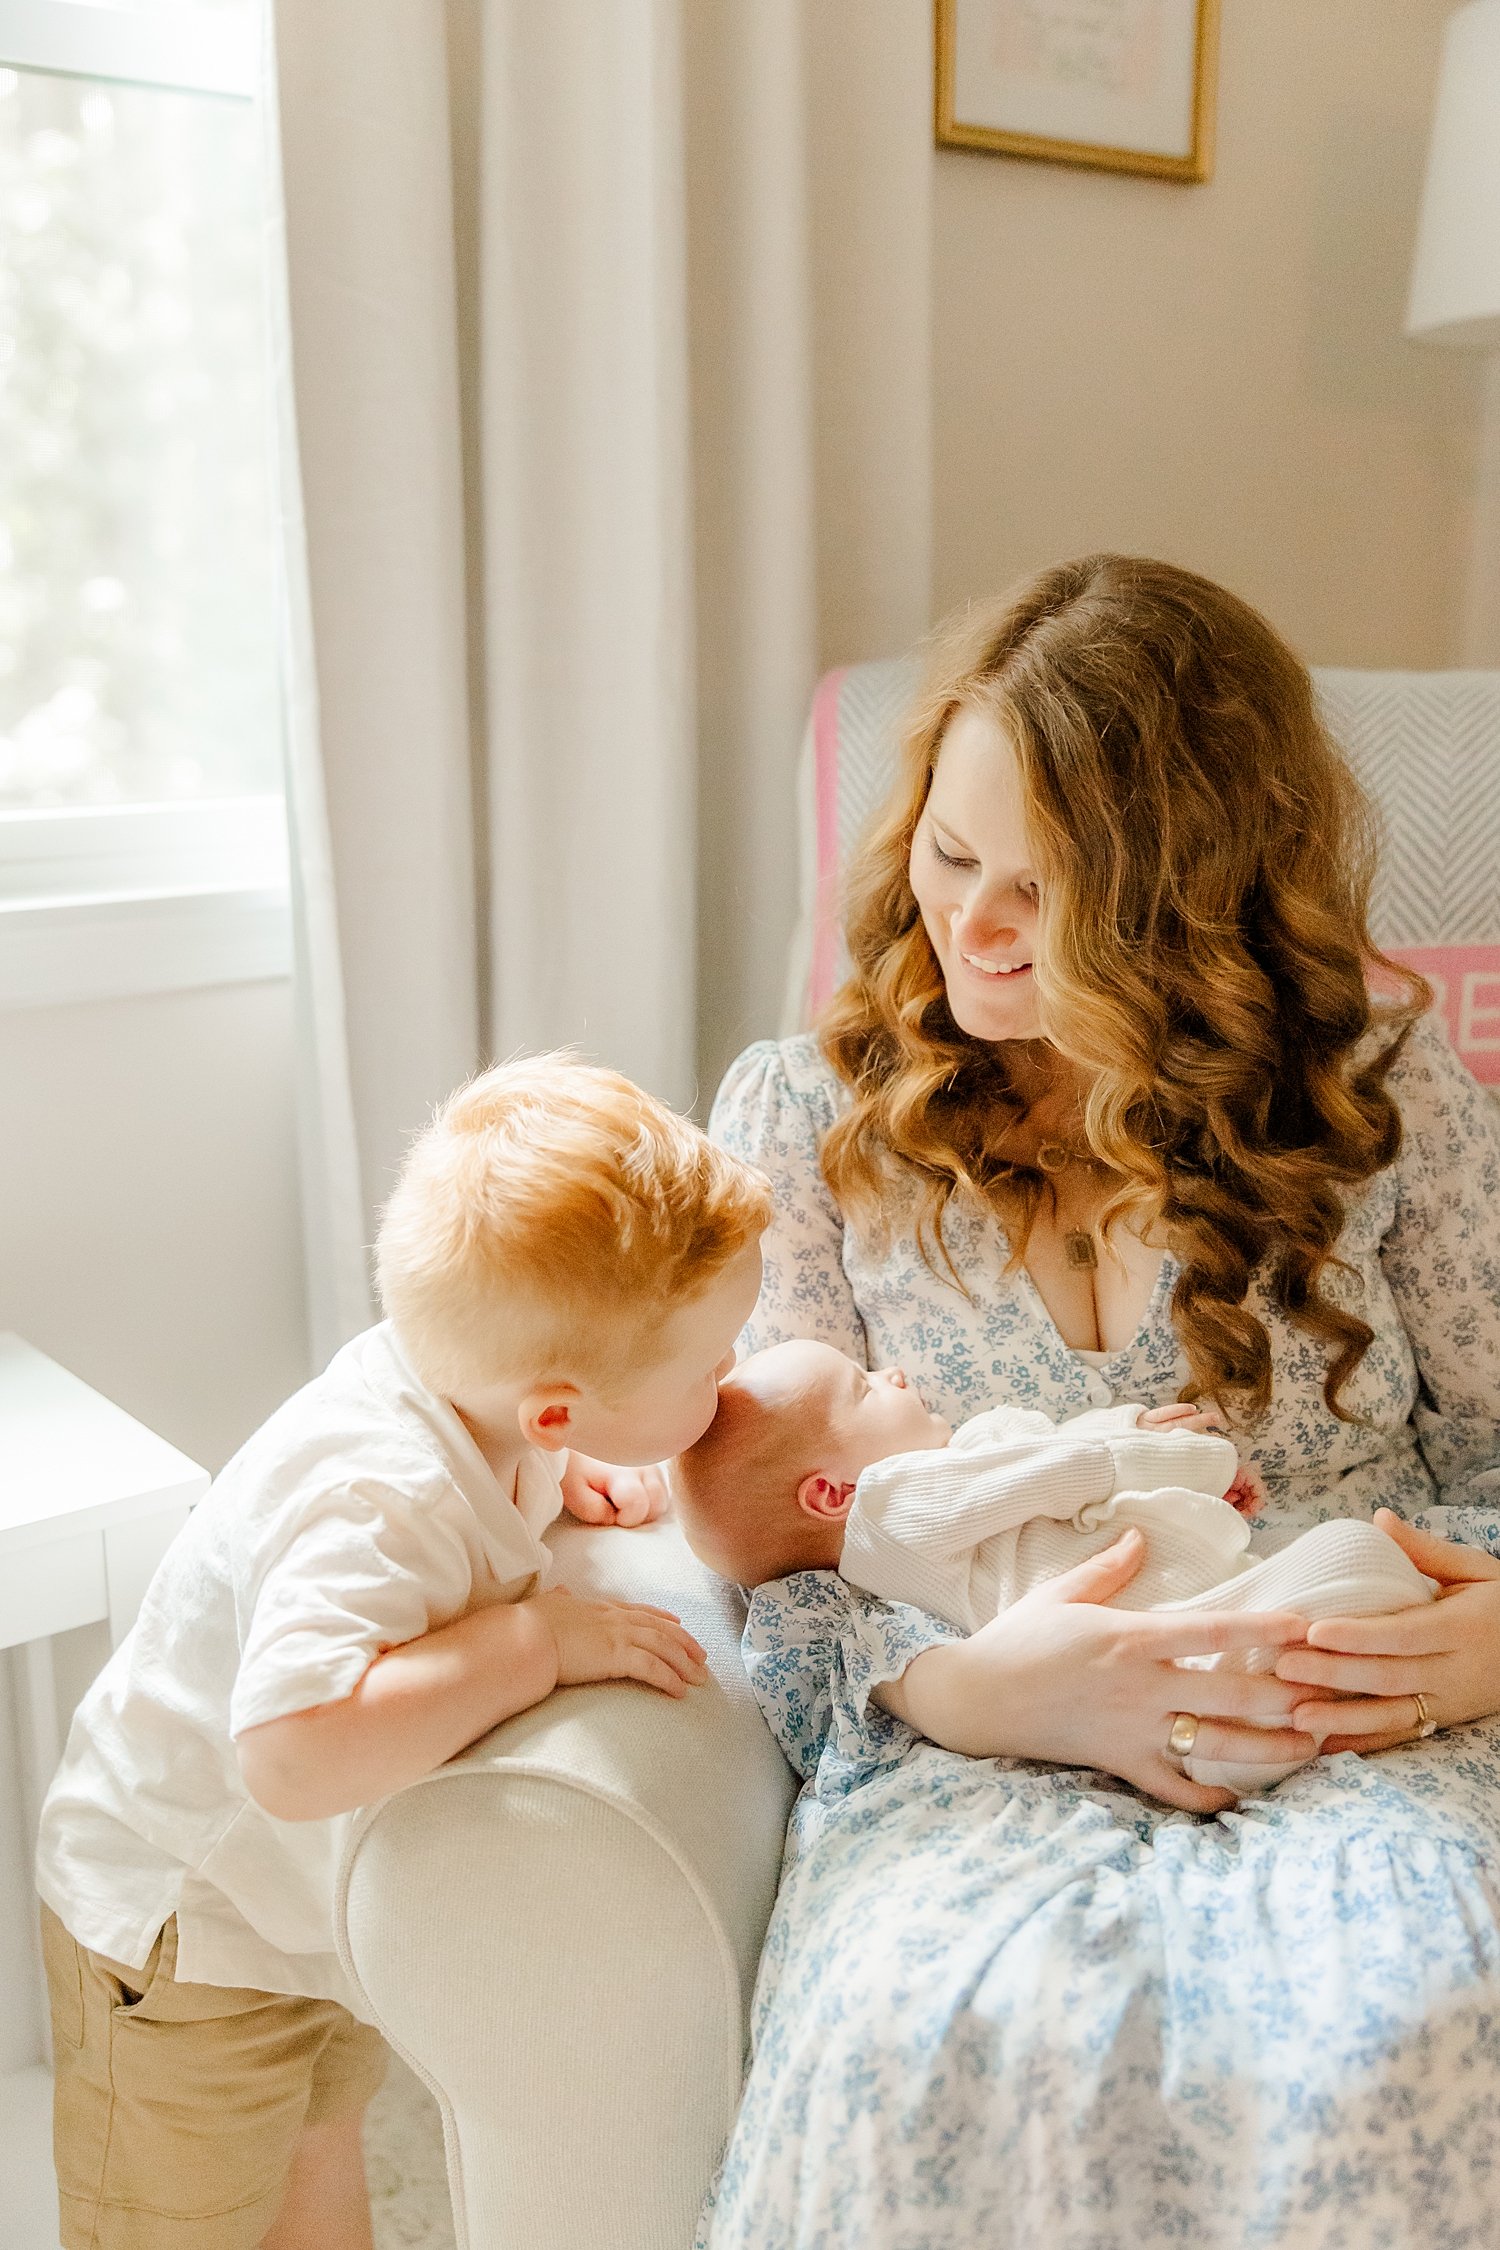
column 813, row 1464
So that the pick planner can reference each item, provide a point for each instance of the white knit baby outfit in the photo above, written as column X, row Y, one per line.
column 1014, row 1500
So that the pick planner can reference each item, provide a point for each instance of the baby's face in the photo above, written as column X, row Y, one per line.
column 852, row 1419
column 769, row 1488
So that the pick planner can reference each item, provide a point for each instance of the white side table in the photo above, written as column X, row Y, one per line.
column 89, row 1502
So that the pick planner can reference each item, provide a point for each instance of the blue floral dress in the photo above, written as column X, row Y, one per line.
column 1012, row 2007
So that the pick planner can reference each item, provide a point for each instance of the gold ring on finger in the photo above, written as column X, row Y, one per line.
column 1182, row 1734
column 1426, row 1723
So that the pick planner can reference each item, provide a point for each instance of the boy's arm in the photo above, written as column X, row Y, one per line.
column 418, row 1705
column 370, row 1655
column 415, row 1707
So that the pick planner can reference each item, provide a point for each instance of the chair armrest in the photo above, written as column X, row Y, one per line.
column 560, row 1929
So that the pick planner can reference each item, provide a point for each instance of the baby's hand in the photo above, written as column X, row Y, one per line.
column 620, row 1641
column 596, row 1493
column 1181, row 1416
column 1247, row 1492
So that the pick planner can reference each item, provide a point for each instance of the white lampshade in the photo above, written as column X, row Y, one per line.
column 1455, row 282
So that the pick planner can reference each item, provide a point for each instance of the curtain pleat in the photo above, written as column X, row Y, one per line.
column 337, row 1275
column 371, row 396
column 588, row 584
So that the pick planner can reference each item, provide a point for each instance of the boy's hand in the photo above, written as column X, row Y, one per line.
column 595, row 1492
column 619, row 1641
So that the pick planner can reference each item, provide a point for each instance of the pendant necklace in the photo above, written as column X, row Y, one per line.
column 1080, row 1246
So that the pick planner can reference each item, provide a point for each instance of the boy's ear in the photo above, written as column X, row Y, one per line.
column 546, row 1416
column 826, row 1502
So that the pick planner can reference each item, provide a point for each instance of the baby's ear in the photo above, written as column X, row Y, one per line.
column 826, row 1502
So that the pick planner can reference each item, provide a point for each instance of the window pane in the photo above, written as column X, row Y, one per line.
column 137, row 655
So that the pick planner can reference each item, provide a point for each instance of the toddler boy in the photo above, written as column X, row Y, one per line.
column 564, row 1264
column 814, row 1464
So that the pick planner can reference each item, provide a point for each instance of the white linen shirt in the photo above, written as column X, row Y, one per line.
column 360, row 1516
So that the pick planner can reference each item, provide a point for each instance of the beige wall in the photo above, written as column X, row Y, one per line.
column 1011, row 363
column 1480, row 642
column 151, row 1240
column 150, row 1222
column 870, row 171
column 1217, row 374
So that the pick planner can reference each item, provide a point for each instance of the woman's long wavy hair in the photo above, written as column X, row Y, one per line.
column 1203, row 957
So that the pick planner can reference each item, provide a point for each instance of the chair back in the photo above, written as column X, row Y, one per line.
column 1426, row 745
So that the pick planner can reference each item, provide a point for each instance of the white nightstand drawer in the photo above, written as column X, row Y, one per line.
column 64, row 1583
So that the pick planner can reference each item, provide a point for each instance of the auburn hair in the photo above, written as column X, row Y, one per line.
column 548, row 1221
column 1203, row 958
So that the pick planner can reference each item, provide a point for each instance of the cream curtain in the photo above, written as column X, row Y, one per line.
column 605, row 343
column 587, row 612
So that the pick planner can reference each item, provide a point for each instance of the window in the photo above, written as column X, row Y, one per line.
column 141, row 831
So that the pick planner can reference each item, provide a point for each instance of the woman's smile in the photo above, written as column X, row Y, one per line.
column 993, row 969
column 991, row 995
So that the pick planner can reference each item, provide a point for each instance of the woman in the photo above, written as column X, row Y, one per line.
column 1105, row 1110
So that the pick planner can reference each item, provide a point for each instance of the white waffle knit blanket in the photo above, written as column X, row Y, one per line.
column 1014, row 1500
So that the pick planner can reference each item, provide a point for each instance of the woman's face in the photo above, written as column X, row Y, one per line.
column 971, row 875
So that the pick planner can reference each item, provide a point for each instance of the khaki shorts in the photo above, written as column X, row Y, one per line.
column 178, row 2107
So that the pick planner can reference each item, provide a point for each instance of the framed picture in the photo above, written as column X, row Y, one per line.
column 1127, row 85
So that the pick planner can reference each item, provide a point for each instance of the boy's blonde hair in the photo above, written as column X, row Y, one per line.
column 550, row 1215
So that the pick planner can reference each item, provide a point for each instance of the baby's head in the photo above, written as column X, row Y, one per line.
column 767, row 1487
column 566, row 1252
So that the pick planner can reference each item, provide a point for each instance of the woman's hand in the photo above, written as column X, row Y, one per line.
column 596, row 1493
column 1181, row 1415
column 1447, row 1651
column 1060, row 1678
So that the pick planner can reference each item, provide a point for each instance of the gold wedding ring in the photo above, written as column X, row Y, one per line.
column 1426, row 1723
column 1183, row 1734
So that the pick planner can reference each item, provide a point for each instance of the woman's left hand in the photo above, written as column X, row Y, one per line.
column 1447, row 1651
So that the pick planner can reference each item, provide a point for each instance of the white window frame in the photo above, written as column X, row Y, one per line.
column 101, row 902
column 197, row 50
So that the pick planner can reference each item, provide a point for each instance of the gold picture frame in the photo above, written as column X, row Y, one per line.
column 1192, row 93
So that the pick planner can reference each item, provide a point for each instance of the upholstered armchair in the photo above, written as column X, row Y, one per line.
column 560, row 1929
